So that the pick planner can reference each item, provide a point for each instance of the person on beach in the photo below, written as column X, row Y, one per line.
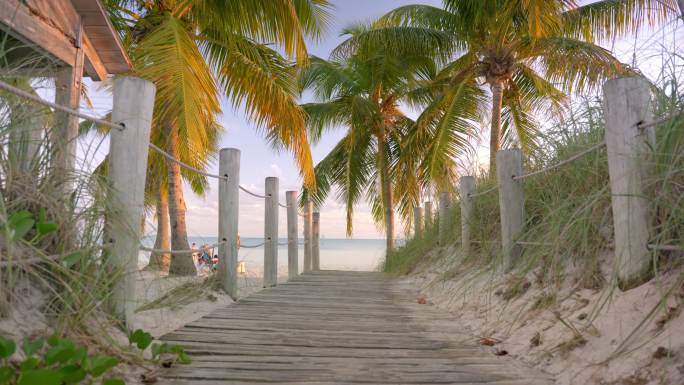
column 195, row 256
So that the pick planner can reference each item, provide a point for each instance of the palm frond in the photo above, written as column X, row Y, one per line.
column 264, row 83
column 589, row 67
column 606, row 19
column 283, row 22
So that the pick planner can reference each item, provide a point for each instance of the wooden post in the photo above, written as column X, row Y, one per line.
column 292, row 241
column 132, row 105
column 627, row 103
column 229, row 204
column 271, row 232
column 417, row 222
column 428, row 215
column 315, row 241
column 466, row 186
column 511, row 203
column 308, row 209
column 444, row 222
column 68, row 93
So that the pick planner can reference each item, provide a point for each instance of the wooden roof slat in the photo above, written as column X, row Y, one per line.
column 102, row 35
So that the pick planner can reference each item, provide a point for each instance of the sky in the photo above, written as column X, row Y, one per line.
column 259, row 160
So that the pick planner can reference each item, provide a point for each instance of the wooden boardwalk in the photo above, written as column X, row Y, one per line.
column 333, row 327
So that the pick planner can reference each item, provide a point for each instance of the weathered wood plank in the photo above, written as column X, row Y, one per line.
column 328, row 327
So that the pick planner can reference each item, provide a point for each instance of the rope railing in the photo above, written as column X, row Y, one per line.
column 119, row 126
column 183, row 164
column 563, row 162
column 252, row 193
column 531, row 243
column 654, row 246
column 252, row 246
column 662, row 120
column 174, row 252
column 19, row 92
column 487, row 191
column 597, row 146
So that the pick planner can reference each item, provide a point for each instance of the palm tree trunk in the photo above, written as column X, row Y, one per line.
column 386, row 187
column 495, row 132
column 161, row 261
column 181, row 264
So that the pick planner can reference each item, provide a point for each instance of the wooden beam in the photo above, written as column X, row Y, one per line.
column 35, row 31
column 94, row 67
column 68, row 93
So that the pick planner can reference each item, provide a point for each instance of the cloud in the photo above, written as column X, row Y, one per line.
column 276, row 170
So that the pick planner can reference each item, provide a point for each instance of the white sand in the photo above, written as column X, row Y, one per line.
column 604, row 319
column 152, row 285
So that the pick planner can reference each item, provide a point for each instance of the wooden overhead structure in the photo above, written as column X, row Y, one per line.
column 64, row 39
column 65, row 29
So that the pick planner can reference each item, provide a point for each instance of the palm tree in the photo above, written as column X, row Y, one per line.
column 527, row 55
column 196, row 50
column 362, row 93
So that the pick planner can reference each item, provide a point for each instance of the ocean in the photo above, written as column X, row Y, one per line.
column 336, row 254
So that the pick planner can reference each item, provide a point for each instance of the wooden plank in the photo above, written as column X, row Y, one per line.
column 36, row 31
column 94, row 67
column 329, row 328
column 103, row 36
column 68, row 85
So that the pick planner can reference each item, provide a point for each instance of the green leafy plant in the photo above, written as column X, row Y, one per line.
column 20, row 224
column 55, row 361
column 162, row 353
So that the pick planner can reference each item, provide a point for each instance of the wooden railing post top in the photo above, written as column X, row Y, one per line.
column 628, row 82
column 143, row 84
column 508, row 153
column 229, row 150
column 467, row 182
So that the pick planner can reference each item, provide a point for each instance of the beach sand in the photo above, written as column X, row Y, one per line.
column 159, row 321
column 581, row 336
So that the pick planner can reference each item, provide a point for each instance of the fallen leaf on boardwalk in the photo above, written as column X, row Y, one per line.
column 536, row 339
column 488, row 341
column 422, row 300
column 661, row 352
column 148, row 378
column 500, row 352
